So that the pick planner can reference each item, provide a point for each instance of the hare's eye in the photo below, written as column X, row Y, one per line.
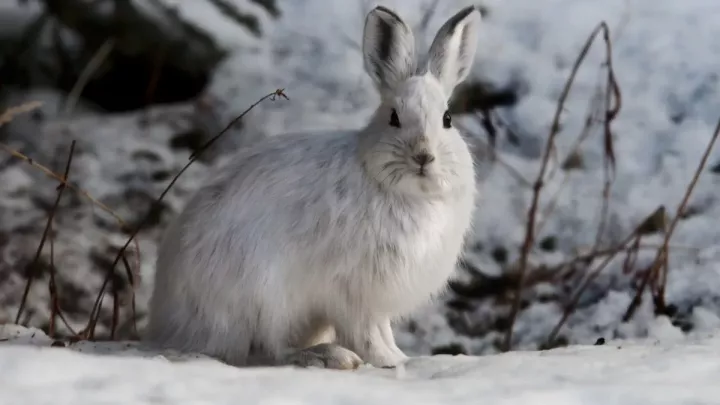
column 394, row 119
column 447, row 120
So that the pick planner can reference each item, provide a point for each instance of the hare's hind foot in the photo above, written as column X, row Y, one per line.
column 324, row 355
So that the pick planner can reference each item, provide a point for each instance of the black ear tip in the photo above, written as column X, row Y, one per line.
column 467, row 11
column 385, row 10
column 460, row 16
column 382, row 8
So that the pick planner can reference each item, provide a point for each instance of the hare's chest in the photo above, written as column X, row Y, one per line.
column 417, row 260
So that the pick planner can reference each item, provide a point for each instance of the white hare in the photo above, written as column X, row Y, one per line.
column 305, row 248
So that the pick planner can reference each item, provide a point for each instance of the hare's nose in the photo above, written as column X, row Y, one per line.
column 423, row 158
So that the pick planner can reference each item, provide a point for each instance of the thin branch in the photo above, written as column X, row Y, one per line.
column 661, row 258
column 584, row 134
column 272, row 96
column 688, row 192
column 54, row 298
column 33, row 266
column 537, row 187
column 12, row 112
column 67, row 324
column 157, row 71
column 52, row 287
column 131, row 279
column 612, row 93
column 16, row 154
column 115, row 311
column 619, row 248
column 92, row 66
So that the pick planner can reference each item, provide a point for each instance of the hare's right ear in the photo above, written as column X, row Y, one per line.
column 388, row 48
column 453, row 49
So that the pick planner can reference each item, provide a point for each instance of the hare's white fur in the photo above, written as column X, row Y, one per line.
column 305, row 235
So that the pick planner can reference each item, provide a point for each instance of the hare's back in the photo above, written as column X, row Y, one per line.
column 291, row 167
column 279, row 187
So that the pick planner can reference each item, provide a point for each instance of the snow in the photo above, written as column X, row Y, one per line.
column 617, row 373
column 223, row 29
column 666, row 58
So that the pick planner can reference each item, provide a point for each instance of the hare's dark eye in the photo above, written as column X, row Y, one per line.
column 447, row 120
column 394, row 119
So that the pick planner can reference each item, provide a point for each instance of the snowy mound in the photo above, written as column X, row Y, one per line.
column 628, row 373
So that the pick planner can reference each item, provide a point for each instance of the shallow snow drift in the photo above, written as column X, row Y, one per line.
column 639, row 372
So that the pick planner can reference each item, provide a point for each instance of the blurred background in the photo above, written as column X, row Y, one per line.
column 139, row 85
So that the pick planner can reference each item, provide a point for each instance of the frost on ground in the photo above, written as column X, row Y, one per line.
column 665, row 55
column 617, row 373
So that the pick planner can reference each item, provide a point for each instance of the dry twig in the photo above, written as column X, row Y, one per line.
column 659, row 268
column 549, row 148
column 48, row 226
column 572, row 305
column 12, row 112
column 97, row 60
column 55, row 311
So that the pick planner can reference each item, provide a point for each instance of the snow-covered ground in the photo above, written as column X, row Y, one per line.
column 617, row 373
column 666, row 56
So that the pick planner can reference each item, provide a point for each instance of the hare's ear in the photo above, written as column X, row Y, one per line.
column 388, row 48
column 453, row 50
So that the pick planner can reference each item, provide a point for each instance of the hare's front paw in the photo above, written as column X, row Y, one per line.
column 374, row 343
column 325, row 355
column 385, row 357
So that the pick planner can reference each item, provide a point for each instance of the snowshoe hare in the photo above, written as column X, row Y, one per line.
column 305, row 247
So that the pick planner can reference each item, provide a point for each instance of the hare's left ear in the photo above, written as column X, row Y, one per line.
column 453, row 50
column 388, row 48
